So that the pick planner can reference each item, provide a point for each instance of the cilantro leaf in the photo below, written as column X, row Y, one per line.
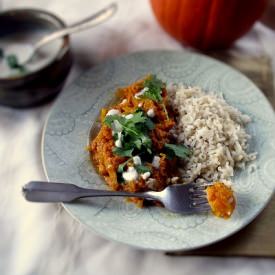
column 138, row 117
column 165, row 110
column 141, row 169
column 13, row 63
column 149, row 124
column 146, row 140
column 110, row 119
column 137, row 143
column 123, row 152
column 135, row 133
column 115, row 136
column 179, row 150
column 121, row 166
column 154, row 90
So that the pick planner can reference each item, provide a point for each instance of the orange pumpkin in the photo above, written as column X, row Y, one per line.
column 207, row 24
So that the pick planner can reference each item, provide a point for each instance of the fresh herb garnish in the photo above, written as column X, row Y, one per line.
column 135, row 133
column 123, row 152
column 177, row 150
column 141, row 169
column 13, row 63
column 154, row 90
column 132, row 132
column 149, row 124
column 110, row 119
column 165, row 110
column 121, row 166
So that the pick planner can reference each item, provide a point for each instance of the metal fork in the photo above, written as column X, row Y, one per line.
column 180, row 198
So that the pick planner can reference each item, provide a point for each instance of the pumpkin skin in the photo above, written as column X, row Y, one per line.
column 207, row 24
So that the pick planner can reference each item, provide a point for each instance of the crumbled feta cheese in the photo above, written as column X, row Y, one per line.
column 118, row 142
column 140, row 104
column 130, row 175
column 123, row 101
column 155, row 162
column 137, row 160
column 129, row 116
column 146, row 175
column 151, row 113
column 112, row 112
column 140, row 93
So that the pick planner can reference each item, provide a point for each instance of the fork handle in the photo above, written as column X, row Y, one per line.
column 43, row 191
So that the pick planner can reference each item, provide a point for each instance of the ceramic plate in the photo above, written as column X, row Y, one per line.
column 76, row 111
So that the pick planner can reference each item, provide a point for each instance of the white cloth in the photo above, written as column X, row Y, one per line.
column 42, row 238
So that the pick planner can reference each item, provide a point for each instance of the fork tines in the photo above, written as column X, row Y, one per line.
column 198, row 196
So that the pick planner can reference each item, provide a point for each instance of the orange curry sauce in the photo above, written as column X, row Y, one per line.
column 101, row 147
column 221, row 200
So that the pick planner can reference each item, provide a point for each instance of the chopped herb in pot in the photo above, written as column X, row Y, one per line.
column 13, row 63
column 177, row 150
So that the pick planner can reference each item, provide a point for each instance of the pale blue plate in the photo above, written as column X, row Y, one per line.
column 76, row 110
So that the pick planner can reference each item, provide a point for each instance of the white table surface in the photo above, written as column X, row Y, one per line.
column 42, row 238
